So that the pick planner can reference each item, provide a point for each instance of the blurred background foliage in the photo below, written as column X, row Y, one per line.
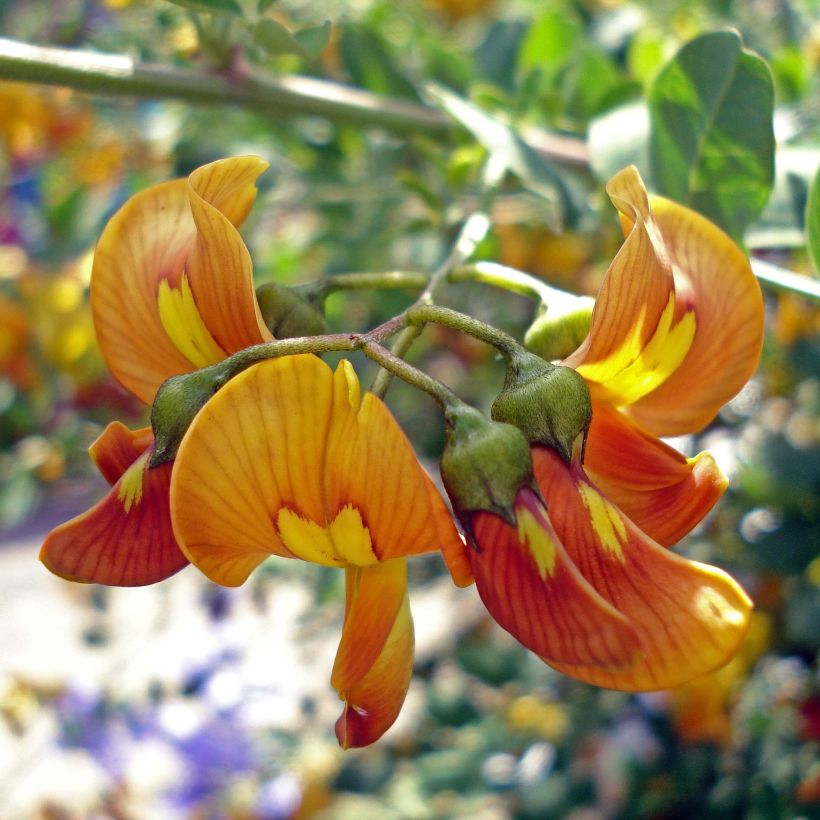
column 195, row 713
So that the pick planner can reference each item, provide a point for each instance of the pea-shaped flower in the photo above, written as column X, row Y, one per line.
column 290, row 460
column 171, row 291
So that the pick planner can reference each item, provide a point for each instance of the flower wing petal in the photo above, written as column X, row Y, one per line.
column 219, row 265
column 531, row 587
column 374, row 663
column 371, row 465
column 141, row 260
column 126, row 539
column 664, row 493
column 117, row 448
column 690, row 617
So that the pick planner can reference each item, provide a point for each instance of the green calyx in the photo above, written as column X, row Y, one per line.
column 549, row 403
column 484, row 465
column 288, row 314
column 177, row 401
column 561, row 328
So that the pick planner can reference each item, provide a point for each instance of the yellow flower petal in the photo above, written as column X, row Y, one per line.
column 289, row 459
column 160, row 307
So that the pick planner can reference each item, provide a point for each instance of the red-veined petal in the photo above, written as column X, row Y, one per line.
column 664, row 493
column 690, row 617
column 126, row 539
column 374, row 662
column 531, row 587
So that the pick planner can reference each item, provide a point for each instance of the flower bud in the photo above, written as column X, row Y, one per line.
column 484, row 465
column 287, row 313
column 177, row 401
column 561, row 328
column 549, row 403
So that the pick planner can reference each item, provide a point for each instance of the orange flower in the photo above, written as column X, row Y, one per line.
column 171, row 291
column 288, row 459
column 581, row 577
column 676, row 331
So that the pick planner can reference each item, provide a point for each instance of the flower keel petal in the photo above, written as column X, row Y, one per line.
column 690, row 617
column 125, row 540
column 374, row 663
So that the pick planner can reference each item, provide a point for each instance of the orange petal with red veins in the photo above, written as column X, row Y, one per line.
column 288, row 459
column 714, row 275
column 117, row 448
column 125, row 540
column 664, row 493
column 690, row 618
column 532, row 589
column 142, row 260
column 374, row 663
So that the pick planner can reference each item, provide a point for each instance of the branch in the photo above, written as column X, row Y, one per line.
column 275, row 96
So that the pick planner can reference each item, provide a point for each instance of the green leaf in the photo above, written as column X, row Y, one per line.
column 313, row 39
column 213, row 6
column 813, row 222
column 549, row 44
column 263, row 5
column 275, row 38
column 711, row 141
column 505, row 145
column 370, row 64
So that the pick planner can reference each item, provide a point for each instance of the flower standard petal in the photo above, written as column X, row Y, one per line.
column 288, row 459
column 374, row 661
column 531, row 587
column 714, row 276
column 144, row 297
column 126, row 539
column 678, row 324
column 690, row 617
column 664, row 493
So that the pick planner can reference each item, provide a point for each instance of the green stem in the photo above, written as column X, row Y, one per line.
column 370, row 281
column 394, row 364
column 292, row 95
column 506, row 345
column 472, row 232
column 368, row 343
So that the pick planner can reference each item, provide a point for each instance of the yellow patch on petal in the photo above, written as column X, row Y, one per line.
column 130, row 490
column 184, row 325
column 606, row 521
column 354, row 390
column 345, row 541
column 636, row 368
column 542, row 548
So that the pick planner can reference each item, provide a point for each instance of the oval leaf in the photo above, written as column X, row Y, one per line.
column 711, row 142
column 214, row 6
column 813, row 222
